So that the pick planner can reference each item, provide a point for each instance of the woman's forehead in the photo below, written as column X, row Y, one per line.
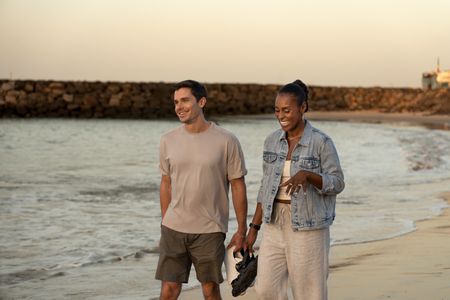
column 285, row 100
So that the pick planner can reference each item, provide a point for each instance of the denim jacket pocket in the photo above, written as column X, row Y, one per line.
column 269, row 157
column 309, row 163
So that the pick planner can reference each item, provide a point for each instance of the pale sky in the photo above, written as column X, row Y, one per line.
column 323, row 42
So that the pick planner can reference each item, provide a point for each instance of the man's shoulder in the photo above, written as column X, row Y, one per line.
column 173, row 132
column 226, row 134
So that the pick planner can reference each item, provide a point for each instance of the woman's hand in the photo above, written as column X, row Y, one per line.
column 296, row 182
column 252, row 235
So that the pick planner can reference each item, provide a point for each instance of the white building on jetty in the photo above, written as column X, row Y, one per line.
column 436, row 79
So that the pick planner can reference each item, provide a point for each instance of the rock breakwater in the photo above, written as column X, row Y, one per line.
column 80, row 99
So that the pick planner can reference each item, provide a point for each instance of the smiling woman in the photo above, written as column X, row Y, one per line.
column 296, row 202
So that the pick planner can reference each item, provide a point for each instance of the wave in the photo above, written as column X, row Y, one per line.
column 351, row 202
column 44, row 273
column 425, row 151
column 137, row 190
column 134, row 255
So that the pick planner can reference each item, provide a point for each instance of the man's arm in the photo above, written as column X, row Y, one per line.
column 165, row 194
column 239, row 194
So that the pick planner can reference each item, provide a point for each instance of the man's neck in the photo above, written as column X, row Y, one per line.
column 199, row 125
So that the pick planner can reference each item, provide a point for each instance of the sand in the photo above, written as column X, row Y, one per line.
column 412, row 266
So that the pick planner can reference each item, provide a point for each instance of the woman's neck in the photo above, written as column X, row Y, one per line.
column 297, row 131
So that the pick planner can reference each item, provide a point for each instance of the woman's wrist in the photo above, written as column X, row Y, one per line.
column 308, row 176
column 254, row 226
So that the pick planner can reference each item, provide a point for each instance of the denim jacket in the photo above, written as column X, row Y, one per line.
column 315, row 152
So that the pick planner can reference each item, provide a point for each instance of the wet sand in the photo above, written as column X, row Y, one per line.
column 412, row 266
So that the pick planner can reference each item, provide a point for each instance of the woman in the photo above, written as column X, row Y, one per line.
column 296, row 202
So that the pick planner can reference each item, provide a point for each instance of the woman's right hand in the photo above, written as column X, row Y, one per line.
column 252, row 231
column 251, row 238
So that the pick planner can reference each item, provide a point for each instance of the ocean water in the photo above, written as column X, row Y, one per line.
column 79, row 199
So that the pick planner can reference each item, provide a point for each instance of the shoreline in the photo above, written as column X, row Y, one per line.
column 435, row 121
column 372, row 116
column 412, row 266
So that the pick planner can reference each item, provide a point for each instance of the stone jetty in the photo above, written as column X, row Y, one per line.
column 151, row 100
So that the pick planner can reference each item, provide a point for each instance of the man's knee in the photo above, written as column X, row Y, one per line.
column 211, row 291
column 170, row 290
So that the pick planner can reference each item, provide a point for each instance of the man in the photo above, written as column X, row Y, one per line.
column 198, row 162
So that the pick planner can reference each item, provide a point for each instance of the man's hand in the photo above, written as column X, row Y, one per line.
column 238, row 241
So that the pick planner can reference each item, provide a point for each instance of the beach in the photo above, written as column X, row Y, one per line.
column 412, row 266
column 91, row 96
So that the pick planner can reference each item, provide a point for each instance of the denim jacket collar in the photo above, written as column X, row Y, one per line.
column 306, row 136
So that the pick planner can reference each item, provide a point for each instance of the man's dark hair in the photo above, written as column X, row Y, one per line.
column 297, row 89
column 197, row 89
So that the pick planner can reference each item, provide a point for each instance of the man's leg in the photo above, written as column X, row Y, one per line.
column 207, row 253
column 174, row 263
column 211, row 291
column 170, row 290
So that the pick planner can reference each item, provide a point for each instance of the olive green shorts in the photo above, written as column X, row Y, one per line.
column 178, row 251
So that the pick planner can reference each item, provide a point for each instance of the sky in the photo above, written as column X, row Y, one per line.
column 386, row 43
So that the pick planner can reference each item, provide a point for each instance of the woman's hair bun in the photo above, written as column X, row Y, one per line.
column 303, row 86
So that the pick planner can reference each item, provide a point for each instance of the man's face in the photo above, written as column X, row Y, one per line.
column 187, row 108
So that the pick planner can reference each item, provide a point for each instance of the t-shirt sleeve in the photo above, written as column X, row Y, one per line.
column 164, row 166
column 235, row 160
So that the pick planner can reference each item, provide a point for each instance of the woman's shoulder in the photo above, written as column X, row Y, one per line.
column 273, row 136
column 318, row 135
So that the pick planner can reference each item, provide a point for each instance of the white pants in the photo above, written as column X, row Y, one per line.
column 300, row 256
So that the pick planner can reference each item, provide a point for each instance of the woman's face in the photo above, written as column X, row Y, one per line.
column 288, row 112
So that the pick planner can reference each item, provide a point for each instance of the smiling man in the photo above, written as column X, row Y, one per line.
column 198, row 162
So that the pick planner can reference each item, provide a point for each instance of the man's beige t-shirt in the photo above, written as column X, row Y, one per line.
column 200, row 166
